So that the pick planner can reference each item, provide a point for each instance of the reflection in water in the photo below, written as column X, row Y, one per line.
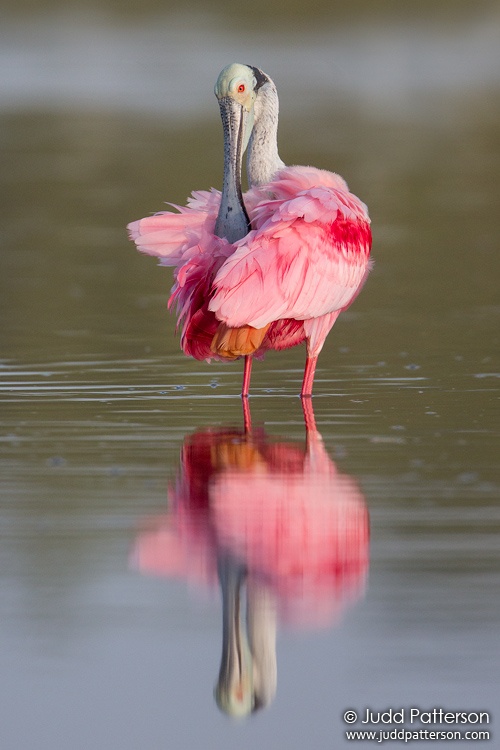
column 272, row 521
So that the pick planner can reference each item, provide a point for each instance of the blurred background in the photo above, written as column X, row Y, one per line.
column 106, row 112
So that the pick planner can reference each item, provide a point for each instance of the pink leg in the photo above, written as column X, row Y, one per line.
column 307, row 383
column 247, row 417
column 246, row 375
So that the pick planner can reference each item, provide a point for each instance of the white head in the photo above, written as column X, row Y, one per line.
column 238, row 86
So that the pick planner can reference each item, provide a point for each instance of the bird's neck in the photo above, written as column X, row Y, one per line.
column 263, row 160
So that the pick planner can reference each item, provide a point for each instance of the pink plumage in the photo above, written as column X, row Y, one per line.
column 306, row 259
column 272, row 268
column 303, row 262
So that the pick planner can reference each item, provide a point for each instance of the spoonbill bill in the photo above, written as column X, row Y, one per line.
column 270, row 269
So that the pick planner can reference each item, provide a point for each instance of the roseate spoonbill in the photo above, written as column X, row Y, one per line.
column 275, row 523
column 273, row 268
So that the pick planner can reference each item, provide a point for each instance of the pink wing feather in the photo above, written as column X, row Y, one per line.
column 305, row 260
column 185, row 239
column 171, row 236
column 307, row 257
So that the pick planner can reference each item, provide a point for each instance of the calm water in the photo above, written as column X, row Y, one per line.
column 112, row 526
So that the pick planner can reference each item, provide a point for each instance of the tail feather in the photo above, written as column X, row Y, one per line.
column 237, row 342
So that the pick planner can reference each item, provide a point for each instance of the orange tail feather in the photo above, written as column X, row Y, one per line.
column 237, row 342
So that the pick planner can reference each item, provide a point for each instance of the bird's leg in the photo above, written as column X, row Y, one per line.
column 247, row 417
column 246, row 375
column 309, row 370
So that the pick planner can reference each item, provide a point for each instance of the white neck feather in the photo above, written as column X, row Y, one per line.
column 263, row 160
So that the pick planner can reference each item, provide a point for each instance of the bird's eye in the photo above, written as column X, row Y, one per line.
column 241, row 88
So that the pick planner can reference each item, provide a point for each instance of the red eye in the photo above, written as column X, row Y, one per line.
column 241, row 88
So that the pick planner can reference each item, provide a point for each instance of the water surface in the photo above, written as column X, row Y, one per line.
column 98, row 403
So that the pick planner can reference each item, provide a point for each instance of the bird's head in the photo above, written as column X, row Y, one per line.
column 237, row 90
column 238, row 82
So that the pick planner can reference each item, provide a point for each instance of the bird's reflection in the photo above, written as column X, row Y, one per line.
column 278, row 526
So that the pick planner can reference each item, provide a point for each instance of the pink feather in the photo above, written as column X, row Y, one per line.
column 306, row 258
column 304, row 261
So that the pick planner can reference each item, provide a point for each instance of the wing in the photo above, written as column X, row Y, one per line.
column 185, row 240
column 308, row 258
column 191, row 292
column 174, row 236
column 171, row 236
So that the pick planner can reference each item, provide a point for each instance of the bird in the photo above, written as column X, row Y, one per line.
column 269, row 269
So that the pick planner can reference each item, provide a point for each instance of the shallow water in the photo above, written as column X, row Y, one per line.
column 98, row 404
